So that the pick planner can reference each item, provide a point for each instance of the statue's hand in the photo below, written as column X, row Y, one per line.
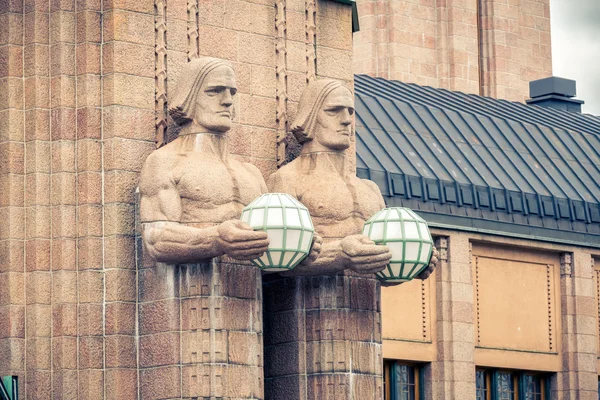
column 315, row 250
column 238, row 240
column 431, row 267
column 363, row 255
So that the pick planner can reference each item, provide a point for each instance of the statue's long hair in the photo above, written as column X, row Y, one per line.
column 183, row 102
column 311, row 102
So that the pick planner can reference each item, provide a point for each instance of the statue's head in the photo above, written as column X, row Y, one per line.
column 325, row 114
column 204, row 94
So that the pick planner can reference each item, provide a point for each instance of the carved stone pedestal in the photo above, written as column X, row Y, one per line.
column 216, row 348
column 323, row 338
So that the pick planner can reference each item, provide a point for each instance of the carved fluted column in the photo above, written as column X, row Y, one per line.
column 201, row 331
column 323, row 337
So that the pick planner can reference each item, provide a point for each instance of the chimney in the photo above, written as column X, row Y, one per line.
column 555, row 92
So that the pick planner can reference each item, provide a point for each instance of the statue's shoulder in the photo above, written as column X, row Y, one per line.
column 162, row 157
column 367, row 183
column 253, row 169
column 284, row 179
column 158, row 167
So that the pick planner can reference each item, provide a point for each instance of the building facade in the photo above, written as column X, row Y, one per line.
column 511, row 192
column 84, row 314
column 86, row 85
column 487, row 47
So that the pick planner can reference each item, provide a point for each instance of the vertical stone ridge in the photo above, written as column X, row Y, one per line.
column 192, row 29
column 160, row 21
column 221, row 331
column 424, row 309
column 486, row 27
column 281, row 96
column 311, row 40
column 12, row 192
column 63, row 192
column 550, row 321
column 38, row 210
column 477, row 299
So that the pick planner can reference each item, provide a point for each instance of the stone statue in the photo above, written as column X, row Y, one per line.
column 333, row 301
column 192, row 190
column 338, row 201
column 192, row 196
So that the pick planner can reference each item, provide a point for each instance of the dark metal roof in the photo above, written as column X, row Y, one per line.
column 477, row 163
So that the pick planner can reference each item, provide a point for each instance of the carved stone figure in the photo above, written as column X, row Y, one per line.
column 192, row 195
column 192, row 190
column 338, row 201
column 340, row 311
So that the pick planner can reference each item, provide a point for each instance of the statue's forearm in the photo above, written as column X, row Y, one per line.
column 330, row 261
column 171, row 242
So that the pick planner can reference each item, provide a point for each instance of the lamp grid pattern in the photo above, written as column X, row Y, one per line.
column 408, row 238
column 288, row 226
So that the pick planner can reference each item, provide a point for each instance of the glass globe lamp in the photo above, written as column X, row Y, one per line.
column 408, row 238
column 288, row 226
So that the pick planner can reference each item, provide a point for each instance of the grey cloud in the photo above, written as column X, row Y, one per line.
column 576, row 47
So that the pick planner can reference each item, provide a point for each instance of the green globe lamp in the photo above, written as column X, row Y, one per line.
column 408, row 238
column 288, row 226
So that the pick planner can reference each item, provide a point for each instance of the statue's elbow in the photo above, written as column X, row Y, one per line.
column 152, row 244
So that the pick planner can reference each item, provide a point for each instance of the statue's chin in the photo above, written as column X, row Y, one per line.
column 340, row 146
column 218, row 127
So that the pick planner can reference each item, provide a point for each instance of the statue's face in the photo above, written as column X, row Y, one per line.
column 214, row 103
column 332, row 129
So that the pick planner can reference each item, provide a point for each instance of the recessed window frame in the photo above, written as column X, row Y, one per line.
column 491, row 377
column 389, row 373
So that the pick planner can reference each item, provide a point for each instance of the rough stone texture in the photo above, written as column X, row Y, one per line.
column 492, row 48
column 201, row 331
column 324, row 341
column 323, row 338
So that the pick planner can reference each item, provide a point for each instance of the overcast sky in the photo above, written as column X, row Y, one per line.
column 576, row 47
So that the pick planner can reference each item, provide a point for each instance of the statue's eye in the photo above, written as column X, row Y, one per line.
column 332, row 110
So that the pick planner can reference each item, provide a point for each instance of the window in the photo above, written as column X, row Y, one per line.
column 505, row 386
column 401, row 381
column 482, row 385
column 511, row 385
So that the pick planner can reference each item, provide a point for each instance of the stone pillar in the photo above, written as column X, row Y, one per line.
column 221, row 330
column 453, row 373
column 12, row 203
column 514, row 46
column 201, row 331
column 323, row 338
column 66, row 189
column 579, row 378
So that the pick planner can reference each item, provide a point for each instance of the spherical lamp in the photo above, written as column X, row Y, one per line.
column 288, row 226
column 408, row 238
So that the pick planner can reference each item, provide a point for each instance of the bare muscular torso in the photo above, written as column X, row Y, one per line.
column 214, row 191
column 210, row 189
column 338, row 204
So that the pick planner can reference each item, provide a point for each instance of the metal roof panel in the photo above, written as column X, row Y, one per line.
column 450, row 152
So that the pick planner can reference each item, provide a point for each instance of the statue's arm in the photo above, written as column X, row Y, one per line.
column 329, row 261
column 165, row 239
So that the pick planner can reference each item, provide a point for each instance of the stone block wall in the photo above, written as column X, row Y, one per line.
column 85, row 84
column 491, row 48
